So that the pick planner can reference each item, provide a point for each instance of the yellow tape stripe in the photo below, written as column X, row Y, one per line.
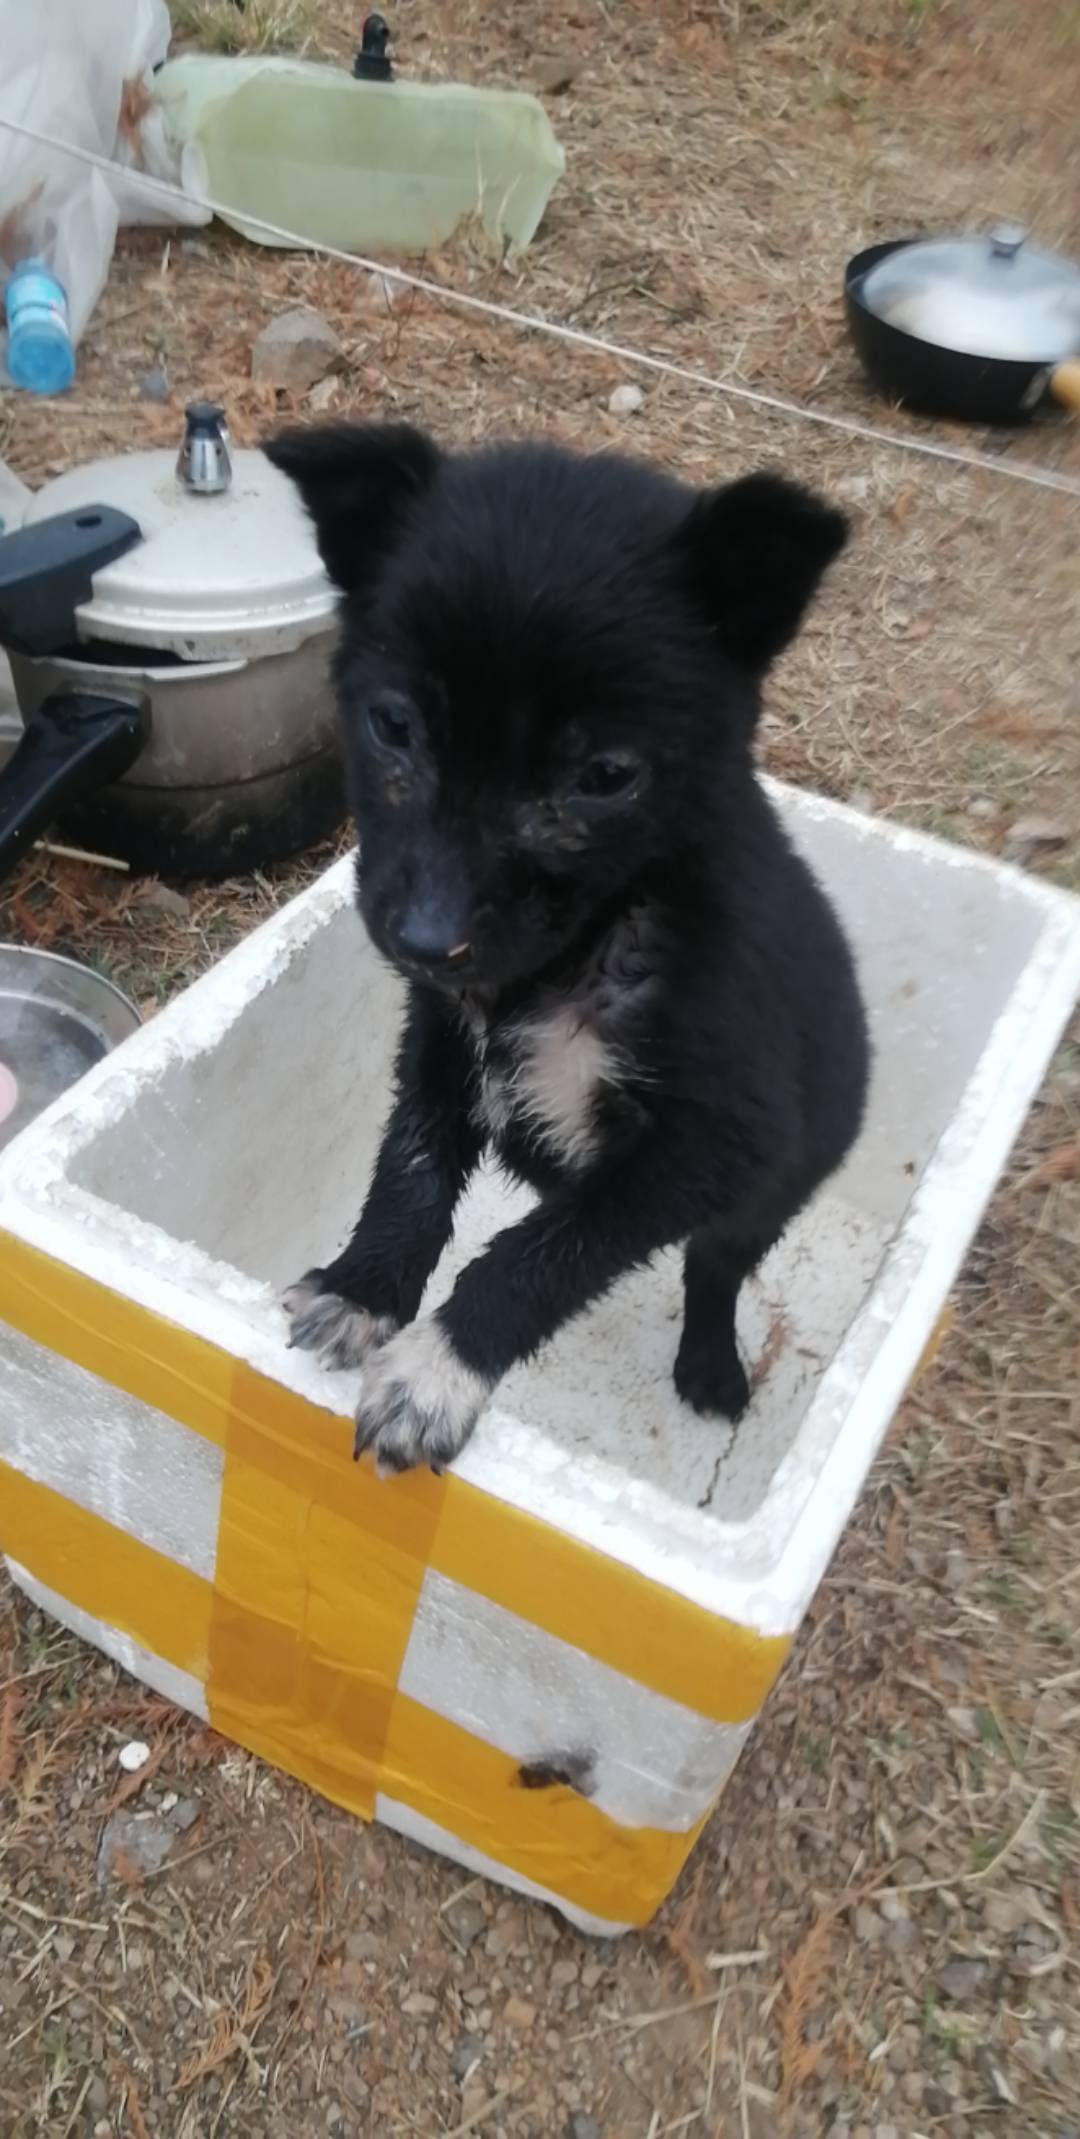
column 140, row 1592
column 318, row 1576
column 637, row 1627
column 553, row 1837
column 114, row 1337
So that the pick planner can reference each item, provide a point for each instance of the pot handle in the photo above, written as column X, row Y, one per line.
column 47, row 572
column 1064, row 384
column 74, row 743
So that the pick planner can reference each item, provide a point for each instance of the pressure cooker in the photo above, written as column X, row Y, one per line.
column 169, row 624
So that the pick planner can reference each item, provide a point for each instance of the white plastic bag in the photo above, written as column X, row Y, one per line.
column 80, row 70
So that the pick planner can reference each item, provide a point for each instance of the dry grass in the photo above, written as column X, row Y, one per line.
column 912, row 1798
column 245, row 25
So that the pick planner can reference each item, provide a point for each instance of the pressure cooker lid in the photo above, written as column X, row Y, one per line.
column 222, row 572
column 989, row 296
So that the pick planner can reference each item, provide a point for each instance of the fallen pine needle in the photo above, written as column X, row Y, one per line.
column 232, row 2031
column 133, row 2110
column 10, row 1704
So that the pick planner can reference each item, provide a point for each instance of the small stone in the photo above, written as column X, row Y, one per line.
column 894, row 1909
column 418, row 2006
column 564, row 1972
column 196, row 249
column 1032, row 1944
column 912, row 2087
column 132, row 1845
column 982, row 808
column 1025, row 837
column 465, row 2055
column 957, row 1570
column 324, row 395
column 103, row 2129
column 466, row 1920
column 153, row 386
column 519, row 2013
column 97, row 2096
column 553, row 77
column 964, row 1722
column 164, row 900
column 63, row 1946
column 867, row 1924
column 1004, row 1912
column 960, row 1977
column 626, row 400
column 591, row 1974
column 296, row 350
column 901, row 1937
column 475, row 2102
column 133, row 1756
column 582, row 2126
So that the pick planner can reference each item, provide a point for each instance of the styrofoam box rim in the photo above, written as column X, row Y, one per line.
column 760, row 1572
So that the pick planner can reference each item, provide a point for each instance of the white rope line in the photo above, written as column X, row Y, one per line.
column 1017, row 471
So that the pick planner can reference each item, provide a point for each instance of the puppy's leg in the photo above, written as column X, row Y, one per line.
column 709, row 1374
column 428, row 1150
column 426, row 1388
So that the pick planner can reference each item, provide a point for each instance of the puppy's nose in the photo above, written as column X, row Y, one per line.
column 428, row 934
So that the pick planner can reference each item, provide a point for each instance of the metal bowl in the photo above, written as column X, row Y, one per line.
column 57, row 1019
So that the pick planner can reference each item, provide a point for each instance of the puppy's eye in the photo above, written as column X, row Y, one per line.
column 607, row 776
column 390, row 726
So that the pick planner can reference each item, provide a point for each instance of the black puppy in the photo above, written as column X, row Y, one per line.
column 621, row 978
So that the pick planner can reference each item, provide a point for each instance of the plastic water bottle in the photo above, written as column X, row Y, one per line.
column 40, row 354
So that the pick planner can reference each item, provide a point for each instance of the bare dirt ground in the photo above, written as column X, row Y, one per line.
column 877, row 1935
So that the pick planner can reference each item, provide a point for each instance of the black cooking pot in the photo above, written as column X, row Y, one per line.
column 168, row 624
column 984, row 328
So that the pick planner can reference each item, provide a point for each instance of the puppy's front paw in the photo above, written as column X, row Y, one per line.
column 712, row 1379
column 321, row 1321
column 419, row 1402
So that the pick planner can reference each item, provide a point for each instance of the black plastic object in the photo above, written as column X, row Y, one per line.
column 73, row 742
column 204, row 419
column 47, row 572
column 928, row 378
column 372, row 62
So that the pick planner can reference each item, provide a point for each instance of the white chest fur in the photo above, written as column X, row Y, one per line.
column 548, row 1075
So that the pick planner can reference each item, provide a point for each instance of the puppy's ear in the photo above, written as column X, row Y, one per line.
column 755, row 551
column 358, row 481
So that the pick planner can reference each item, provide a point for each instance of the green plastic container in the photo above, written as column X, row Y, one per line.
column 371, row 167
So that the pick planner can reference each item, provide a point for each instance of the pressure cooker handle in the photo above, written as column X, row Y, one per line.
column 47, row 572
column 74, row 743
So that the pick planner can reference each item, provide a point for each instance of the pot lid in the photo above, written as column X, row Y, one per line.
column 219, row 574
column 989, row 296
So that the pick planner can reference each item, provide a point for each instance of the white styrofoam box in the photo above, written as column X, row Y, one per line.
column 226, row 1147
